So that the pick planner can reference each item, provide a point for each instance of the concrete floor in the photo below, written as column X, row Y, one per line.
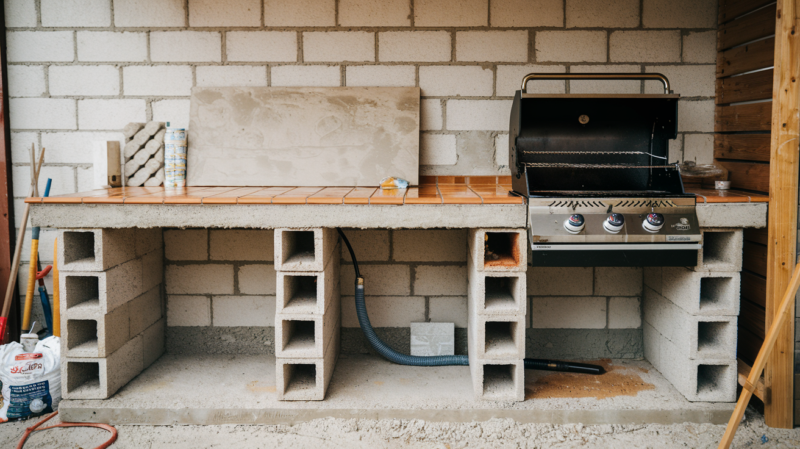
column 363, row 433
column 240, row 389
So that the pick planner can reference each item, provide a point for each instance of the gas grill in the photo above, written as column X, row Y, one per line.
column 594, row 167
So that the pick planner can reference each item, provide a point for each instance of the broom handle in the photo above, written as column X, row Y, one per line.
column 761, row 359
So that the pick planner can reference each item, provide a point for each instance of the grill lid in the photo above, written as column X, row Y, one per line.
column 593, row 142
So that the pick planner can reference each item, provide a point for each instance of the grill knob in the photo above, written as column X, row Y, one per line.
column 614, row 223
column 574, row 224
column 653, row 223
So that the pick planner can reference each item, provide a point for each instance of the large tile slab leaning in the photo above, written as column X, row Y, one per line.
column 303, row 136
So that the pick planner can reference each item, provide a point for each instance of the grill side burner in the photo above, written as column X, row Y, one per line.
column 595, row 169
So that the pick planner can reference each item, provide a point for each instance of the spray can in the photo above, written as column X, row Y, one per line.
column 174, row 158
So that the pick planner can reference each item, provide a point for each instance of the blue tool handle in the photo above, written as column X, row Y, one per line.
column 47, row 188
column 48, row 314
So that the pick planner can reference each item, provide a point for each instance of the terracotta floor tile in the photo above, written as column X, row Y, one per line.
column 296, row 196
column 118, row 195
column 392, row 196
column 427, row 180
column 426, row 194
column 727, row 196
column 458, row 194
column 329, row 195
column 231, row 196
column 482, row 180
column 263, row 196
column 195, row 195
column 359, row 195
column 496, row 195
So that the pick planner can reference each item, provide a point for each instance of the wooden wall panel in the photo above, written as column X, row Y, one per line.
column 754, row 288
column 754, row 26
column 753, row 56
column 743, row 117
column 750, row 87
column 748, row 147
column 756, row 235
column 749, row 344
column 755, row 258
column 731, row 9
column 747, row 175
column 753, row 318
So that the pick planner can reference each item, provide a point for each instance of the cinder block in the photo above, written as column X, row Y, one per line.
column 185, row 46
column 108, row 46
column 594, row 14
column 40, row 46
column 474, row 81
column 147, row 240
column 571, row 46
column 689, row 80
column 480, row 46
column 435, row 280
column 149, row 13
column 510, row 76
column 174, row 111
column 369, row 245
column 306, row 75
column 478, row 115
column 188, row 310
column 700, row 47
column 721, row 251
column 367, row 13
column 497, row 293
column 153, row 342
column 570, row 312
column 260, row 46
column 652, row 278
column 699, row 148
column 43, row 113
column 644, row 46
column 306, row 336
column 308, row 292
column 618, row 281
column 211, row 13
column 416, row 46
column 99, row 378
column 702, row 292
column 697, row 337
column 498, row 380
column 437, row 149
column 624, row 313
column 429, row 245
column 257, row 279
column 430, row 113
column 389, row 311
column 242, row 311
column 520, row 13
column 605, row 86
column 499, row 249
column 26, row 81
column 186, row 244
column 161, row 81
column 152, row 270
column 390, row 279
column 448, row 309
column 496, row 337
column 242, row 244
column 210, row 279
column 707, row 380
column 109, row 113
column 299, row 13
column 79, row 80
column 679, row 14
column 338, row 46
column 306, row 249
column 381, row 75
column 560, row 281
column 89, row 334
column 696, row 116
column 447, row 13
column 103, row 291
column 307, row 379
column 230, row 75
column 20, row 14
column 145, row 310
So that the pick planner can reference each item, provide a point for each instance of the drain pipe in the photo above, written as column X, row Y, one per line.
column 439, row 360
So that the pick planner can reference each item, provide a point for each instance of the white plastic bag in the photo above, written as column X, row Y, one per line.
column 31, row 382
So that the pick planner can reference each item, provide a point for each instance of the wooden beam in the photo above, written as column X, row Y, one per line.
column 745, row 147
column 743, row 370
column 743, row 117
column 754, row 26
column 731, row 9
column 783, row 183
column 753, row 56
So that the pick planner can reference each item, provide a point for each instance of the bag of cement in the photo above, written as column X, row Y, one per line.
column 31, row 381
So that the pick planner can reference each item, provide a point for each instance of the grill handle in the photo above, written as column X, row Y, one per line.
column 595, row 76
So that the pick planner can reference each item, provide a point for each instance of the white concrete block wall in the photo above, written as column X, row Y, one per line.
column 143, row 56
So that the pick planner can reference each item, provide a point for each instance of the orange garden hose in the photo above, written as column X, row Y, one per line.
column 30, row 430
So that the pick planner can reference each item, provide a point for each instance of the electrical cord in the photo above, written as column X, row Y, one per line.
column 438, row 360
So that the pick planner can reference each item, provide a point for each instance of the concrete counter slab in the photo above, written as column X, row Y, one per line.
column 240, row 389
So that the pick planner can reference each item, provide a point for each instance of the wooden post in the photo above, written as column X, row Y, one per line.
column 783, row 184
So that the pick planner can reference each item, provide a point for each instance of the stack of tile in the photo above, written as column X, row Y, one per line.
column 496, row 307
column 112, row 310
column 690, row 319
column 307, row 318
column 144, row 154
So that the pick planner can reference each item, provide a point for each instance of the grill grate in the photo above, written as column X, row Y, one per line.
column 592, row 153
column 604, row 166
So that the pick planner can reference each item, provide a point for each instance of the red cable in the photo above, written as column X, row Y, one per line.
column 43, row 273
column 30, row 430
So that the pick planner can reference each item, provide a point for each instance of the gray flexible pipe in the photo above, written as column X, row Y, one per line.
column 438, row 360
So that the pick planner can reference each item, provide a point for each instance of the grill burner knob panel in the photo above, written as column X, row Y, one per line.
column 653, row 223
column 614, row 223
column 575, row 224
